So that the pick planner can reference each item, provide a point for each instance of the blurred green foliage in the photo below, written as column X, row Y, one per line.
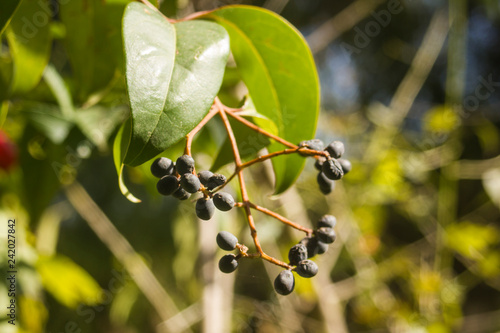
column 418, row 247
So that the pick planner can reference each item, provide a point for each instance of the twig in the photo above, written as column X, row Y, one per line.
column 189, row 137
column 244, row 193
column 125, row 253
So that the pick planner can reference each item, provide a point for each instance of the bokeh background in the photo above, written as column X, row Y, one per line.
column 411, row 87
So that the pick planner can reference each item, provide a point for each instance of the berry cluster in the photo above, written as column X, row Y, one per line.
column 298, row 255
column 330, row 168
column 180, row 180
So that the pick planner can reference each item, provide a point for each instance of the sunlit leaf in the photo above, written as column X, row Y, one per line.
column 69, row 283
column 278, row 69
column 29, row 43
column 48, row 119
column 173, row 75
column 441, row 119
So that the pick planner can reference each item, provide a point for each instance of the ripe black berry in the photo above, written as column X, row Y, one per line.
column 205, row 176
column 205, row 208
column 190, row 182
column 215, row 181
column 314, row 144
column 284, row 282
column 319, row 163
column 184, row 164
column 326, row 185
column 228, row 263
column 345, row 164
column 297, row 253
column 335, row 149
column 326, row 235
column 307, row 268
column 332, row 169
column 167, row 185
column 181, row 194
column 223, row 201
column 226, row 240
column 328, row 221
column 162, row 166
column 314, row 246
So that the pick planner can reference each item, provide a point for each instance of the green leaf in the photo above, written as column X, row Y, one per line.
column 7, row 10
column 278, row 69
column 60, row 91
column 93, row 42
column 98, row 123
column 173, row 75
column 30, row 43
column 47, row 119
column 69, row 283
column 119, row 149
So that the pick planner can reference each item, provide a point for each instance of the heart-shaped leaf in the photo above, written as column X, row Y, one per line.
column 173, row 74
column 278, row 69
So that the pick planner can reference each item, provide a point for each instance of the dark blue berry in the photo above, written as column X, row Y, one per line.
column 335, row 149
column 297, row 253
column 228, row 263
column 284, row 282
column 205, row 176
column 205, row 208
column 332, row 169
column 326, row 235
column 181, row 194
column 223, row 201
column 307, row 268
column 345, row 164
column 326, row 185
column 162, row 166
column 190, row 182
column 167, row 185
column 226, row 240
column 184, row 164
column 216, row 180
column 328, row 221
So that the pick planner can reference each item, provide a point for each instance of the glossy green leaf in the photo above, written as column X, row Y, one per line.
column 278, row 69
column 7, row 10
column 173, row 75
column 30, row 43
column 119, row 149
column 93, row 42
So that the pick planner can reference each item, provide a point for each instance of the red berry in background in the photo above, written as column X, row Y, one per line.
column 8, row 152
